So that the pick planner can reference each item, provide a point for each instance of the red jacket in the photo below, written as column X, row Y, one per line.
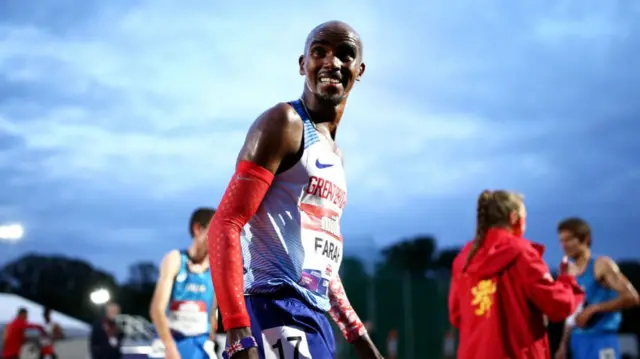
column 13, row 337
column 498, row 304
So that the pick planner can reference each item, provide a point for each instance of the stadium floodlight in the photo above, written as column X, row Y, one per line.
column 11, row 232
column 100, row 296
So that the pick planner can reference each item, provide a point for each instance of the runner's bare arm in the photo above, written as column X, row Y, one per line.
column 168, row 270
column 276, row 134
column 214, row 318
column 608, row 272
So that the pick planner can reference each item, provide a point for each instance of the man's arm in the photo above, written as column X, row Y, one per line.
column 214, row 319
column 348, row 321
column 168, row 270
column 607, row 271
column 557, row 299
column 276, row 134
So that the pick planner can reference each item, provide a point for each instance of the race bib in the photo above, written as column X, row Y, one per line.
column 188, row 317
column 322, row 255
column 608, row 353
column 285, row 343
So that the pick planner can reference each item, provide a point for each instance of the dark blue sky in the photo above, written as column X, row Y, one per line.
column 117, row 118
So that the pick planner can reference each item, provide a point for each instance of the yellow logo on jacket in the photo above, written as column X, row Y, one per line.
column 483, row 296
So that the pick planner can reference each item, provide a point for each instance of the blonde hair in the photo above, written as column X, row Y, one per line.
column 494, row 210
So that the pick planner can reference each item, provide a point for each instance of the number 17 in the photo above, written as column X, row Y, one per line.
column 296, row 347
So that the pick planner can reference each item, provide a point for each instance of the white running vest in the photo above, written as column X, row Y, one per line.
column 294, row 238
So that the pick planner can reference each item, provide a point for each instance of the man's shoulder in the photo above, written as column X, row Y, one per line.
column 282, row 116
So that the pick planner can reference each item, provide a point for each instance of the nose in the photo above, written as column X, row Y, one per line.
column 331, row 62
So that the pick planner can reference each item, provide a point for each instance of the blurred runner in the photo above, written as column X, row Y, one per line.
column 54, row 333
column 184, row 307
column 592, row 332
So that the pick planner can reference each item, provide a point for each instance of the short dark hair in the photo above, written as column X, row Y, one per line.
column 22, row 311
column 578, row 227
column 201, row 216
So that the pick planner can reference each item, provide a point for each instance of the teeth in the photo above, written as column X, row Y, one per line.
column 327, row 80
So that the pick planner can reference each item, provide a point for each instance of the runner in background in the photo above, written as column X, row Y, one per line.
column 54, row 333
column 592, row 332
column 184, row 308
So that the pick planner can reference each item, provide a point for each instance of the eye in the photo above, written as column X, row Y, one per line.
column 318, row 51
column 346, row 53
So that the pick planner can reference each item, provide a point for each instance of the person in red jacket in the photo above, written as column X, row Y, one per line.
column 14, row 335
column 501, row 290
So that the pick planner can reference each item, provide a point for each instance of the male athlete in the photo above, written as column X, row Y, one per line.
column 593, row 331
column 54, row 333
column 278, row 223
column 184, row 308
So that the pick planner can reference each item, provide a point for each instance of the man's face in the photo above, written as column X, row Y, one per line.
column 113, row 310
column 571, row 245
column 200, row 243
column 332, row 62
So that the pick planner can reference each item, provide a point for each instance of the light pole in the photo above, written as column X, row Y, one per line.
column 100, row 296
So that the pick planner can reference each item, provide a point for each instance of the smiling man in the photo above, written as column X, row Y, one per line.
column 275, row 244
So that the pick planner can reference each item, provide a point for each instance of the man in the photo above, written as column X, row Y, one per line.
column 183, row 308
column 592, row 332
column 285, row 201
column 54, row 333
column 106, row 338
column 13, row 337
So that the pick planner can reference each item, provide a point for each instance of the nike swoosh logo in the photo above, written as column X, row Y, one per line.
column 323, row 165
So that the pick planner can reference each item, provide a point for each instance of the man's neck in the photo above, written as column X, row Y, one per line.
column 323, row 112
column 583, row 258
column 192, row 253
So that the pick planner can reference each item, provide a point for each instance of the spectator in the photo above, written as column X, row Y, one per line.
column 106, row 337
column 54, row 333
column 14, row 335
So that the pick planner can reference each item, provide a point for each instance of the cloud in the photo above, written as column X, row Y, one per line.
column 113, row 108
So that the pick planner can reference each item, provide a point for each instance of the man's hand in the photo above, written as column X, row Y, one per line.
column 366, row 349
column 561, row 353
column 583, row 317
column 235, row 334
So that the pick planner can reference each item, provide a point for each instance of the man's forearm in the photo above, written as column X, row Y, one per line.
column 214, row 324
column 161, row 324
column 566, row 332
column 614, row 305
column 343, row 313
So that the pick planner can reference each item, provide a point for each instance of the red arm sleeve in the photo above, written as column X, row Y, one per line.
column 558, row 299
column 454, row 304
column 239, row 203
column 343, row 313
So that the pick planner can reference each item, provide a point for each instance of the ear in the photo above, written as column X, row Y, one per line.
column 196, row 230
column 514, row 218
column 361, row 72
column 301, row 65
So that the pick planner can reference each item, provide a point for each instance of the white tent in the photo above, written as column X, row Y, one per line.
column 10, row 303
